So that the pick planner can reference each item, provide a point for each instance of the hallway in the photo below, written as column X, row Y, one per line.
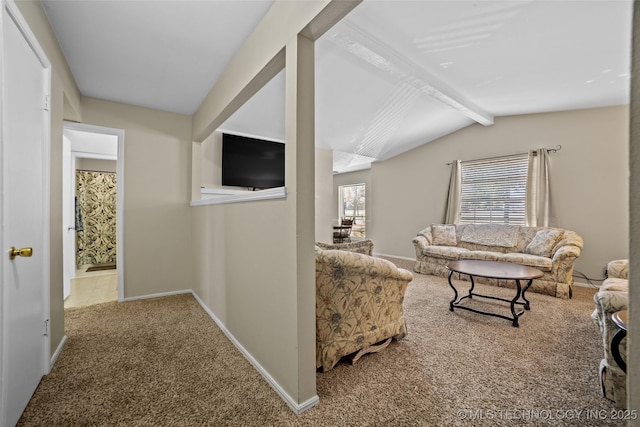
column 89, row 288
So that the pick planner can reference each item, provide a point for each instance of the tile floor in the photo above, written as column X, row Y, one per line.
column 89, row 288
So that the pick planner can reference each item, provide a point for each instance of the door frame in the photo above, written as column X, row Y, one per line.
column 119, row 133
column 11, row 11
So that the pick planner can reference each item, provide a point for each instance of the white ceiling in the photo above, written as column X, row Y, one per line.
column 391, row 76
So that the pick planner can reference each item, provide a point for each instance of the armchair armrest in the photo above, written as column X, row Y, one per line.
column 618, row 269
column 356, row 263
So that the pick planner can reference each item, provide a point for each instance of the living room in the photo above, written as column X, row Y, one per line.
column 267, row 307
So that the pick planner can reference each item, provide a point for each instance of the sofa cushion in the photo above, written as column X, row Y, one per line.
column 543, row 242
column 538, row 262
column 444, row 252
column 491, row 235
column 444, row 234
column 483, row 255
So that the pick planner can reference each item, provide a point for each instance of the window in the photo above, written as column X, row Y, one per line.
column 351, row 202
column 494, row 190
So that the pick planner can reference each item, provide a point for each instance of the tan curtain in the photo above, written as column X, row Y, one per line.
column 538, row 200
column 452, row 214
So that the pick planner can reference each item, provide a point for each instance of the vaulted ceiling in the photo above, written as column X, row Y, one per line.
column 391, row 76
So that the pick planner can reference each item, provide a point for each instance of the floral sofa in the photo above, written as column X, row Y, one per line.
column 358, row 302
column 612, row 296
column 551, row 250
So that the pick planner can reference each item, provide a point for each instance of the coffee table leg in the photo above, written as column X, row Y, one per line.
column 473, row 285
column 455, row 292
column 526, row 301
column 513, row 303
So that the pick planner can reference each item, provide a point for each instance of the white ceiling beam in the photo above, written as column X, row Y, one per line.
column 368, row 48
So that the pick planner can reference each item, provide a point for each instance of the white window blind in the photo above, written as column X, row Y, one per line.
column 494, row 190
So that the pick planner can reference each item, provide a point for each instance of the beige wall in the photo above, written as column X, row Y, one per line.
column 324, row 195
column 56, row 302
column 589, row 179
column 34, row 14
column 255, row 260
column 261, row 259
column 157, row 190
column 97, row 165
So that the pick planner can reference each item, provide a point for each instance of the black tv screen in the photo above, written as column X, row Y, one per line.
column 252, row 162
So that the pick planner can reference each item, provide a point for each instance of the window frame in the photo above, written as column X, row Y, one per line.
column 359, row 225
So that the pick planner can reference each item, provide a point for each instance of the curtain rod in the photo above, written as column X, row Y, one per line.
column 549, row 150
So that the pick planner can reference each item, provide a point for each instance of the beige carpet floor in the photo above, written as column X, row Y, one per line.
column 164, row 362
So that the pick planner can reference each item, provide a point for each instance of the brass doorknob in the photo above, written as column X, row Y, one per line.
column 26, row 252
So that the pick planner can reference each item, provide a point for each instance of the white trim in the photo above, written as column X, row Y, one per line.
column 119, row 133
column 298, row 408
column 393, row 256
column 584, row 284
column 56, row 354
column 247, row 196
column 96, row 156
column 158, row 295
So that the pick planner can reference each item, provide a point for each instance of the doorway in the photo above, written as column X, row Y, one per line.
column 93, row 183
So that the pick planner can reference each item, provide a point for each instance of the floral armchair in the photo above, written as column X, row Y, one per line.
column 613, row 296
column 358, row 302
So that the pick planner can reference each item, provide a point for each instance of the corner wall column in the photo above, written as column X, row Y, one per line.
column 300, row 145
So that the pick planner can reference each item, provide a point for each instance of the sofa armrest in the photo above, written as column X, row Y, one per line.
column 618, row 269
column 570, row 246
column 567, row 251
column 420, row 243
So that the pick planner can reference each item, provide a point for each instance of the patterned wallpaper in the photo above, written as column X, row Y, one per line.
column 96, row 195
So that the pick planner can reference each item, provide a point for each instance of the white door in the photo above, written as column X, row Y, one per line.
column 24, row 215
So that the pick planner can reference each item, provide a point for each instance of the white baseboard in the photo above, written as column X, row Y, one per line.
column 298, row 408
column 394, row 256
column 56, row 353
column 159, row 295
column 584, row 285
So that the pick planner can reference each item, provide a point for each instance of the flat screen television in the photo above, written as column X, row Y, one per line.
column 252, row 162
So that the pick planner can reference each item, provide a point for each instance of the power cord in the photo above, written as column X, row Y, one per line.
column 589, row 279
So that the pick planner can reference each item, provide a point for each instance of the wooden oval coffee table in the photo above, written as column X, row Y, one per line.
column 494, row 270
